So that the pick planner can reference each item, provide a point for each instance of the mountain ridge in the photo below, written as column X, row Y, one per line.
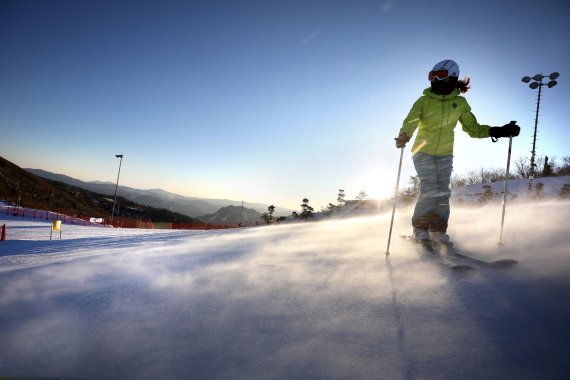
column 160, row 198
column 23, row 188
column 233, row 214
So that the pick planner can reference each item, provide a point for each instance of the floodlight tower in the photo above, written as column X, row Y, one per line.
column 537, row 83
column 120, row 156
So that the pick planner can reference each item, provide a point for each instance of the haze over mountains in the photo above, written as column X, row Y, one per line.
column 158, row 198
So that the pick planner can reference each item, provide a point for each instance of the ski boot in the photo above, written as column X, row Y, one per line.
column 423, row 238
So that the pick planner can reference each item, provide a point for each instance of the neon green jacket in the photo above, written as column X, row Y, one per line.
column 436, row 116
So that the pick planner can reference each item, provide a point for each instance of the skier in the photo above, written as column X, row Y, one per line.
column 436, row 114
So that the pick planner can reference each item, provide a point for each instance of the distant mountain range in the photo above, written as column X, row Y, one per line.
column 19, row 187
column 191, row 206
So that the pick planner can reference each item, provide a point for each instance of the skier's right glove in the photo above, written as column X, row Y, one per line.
column 402, row 140
column 507, row 130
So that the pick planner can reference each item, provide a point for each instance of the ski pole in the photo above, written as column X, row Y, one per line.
column 506, row 187
column 395, row 200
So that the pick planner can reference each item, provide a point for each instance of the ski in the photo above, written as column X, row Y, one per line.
column 452, row 251
column 501, row 263
column 434, row 255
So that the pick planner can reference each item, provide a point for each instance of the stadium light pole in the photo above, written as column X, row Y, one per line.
column 120, row 156
column 537, row 83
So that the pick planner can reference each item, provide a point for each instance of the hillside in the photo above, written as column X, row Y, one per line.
column 518, row 190
column 476, row 195
column 26, row 189
column 158, row 198
column 233, row 215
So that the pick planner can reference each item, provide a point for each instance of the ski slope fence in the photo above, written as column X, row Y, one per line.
column 46, row 215
column 120, row 222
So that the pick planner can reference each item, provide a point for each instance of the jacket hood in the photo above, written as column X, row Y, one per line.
column 453, row 94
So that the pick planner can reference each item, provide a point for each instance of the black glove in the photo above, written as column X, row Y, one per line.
column 507, row 130
column 402, row 140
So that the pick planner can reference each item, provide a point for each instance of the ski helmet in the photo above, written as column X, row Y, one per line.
column 444, row 69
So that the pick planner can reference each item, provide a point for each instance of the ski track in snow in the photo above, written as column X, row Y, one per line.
column 308, row 300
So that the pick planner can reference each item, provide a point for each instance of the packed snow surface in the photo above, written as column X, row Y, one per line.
column 298, row 301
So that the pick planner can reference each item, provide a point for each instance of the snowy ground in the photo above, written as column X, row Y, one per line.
column 542, row 188
column 299, row 301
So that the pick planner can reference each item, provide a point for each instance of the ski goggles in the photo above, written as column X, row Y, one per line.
column 438, row 74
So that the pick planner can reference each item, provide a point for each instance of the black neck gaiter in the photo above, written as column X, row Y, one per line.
column 443, row 87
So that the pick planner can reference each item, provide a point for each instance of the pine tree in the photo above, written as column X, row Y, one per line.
column 340, row 198
column 306, row 210
column 268, row 216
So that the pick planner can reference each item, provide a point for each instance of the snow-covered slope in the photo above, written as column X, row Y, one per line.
column 518, row 190
column 480, row 194
column 307, row 300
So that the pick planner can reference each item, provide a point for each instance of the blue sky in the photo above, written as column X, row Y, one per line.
column 266, row 101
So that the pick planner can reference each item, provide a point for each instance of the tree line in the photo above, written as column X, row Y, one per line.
column 545, row 167
column 308, row 212
column 521, row 170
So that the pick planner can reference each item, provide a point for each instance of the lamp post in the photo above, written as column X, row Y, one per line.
column 537, row 83
column 120, row 156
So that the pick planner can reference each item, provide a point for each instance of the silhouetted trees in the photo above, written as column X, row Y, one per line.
column 268, row 216
column 306, row 210
column 340, row 198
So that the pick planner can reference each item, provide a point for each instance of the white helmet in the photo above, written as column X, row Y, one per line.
column 444, row 69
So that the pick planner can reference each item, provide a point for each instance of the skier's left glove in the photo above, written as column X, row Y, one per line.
column 507, row 130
